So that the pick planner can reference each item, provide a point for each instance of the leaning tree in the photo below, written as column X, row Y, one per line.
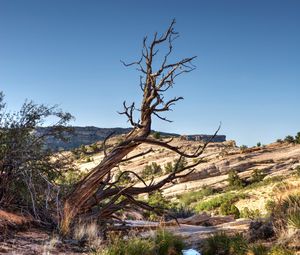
column 97, row 188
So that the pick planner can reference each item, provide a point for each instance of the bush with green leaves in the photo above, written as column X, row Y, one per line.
column 250, row 214
column 286, row 213
column 279, row 250
column 258, row 249
column 124, row 177
column 163, row 243
column 215, row 202
column 188, row 198
column 289, row 139
column 156, row 135
column 234, row 181
column 221, row 243
column 269, row 206
column 297, row 138
column 227, row 208
column 243, row 147
column 257, row 175
column 150, row 170
column 176, row 165
column 29, row 170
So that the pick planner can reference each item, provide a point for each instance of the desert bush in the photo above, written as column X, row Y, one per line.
column 178, row 166
column 156, row 135
column 159, row 203
column 150, row 170
column 258, row 249
column 216, row 202
column 250, row 214
column 29, row 170
column 278, row 250
column 289, row 139
column 194, row 196
column 243, row 147
column 168, row 244
column 258, row 144
column 134, row 246
column 123, row 177
column 234, row 181
column 179, row 211
column 222, row 244
column 269, row 206
column 297, row 138
column 227, row 208
column 257, row 175
column 264, row 182
column 163, row 243
column 286, row 214
column 88, row 159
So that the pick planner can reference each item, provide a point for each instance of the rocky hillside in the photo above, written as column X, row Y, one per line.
column 275, row 162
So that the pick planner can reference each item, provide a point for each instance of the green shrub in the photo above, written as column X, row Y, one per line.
column 123, row 177
column 150, row 170
column 243, row 147
column 88, row 159
column 286, row 213
column 280, row 251
column 157, row 200
column 167, row 244
column 234, row 181
column 164, row 243
column 250, row 214
column 227, row 208
column 264, row 182
column 258, row 144
column 134, row 246
column 156, row 135
column 220, row 243
column 297, row 138
column 289, row 139
column 217, row 201
column 258, row 249
column 194, row 196
column 269, row 206
column 293, row 218
column 257, row 175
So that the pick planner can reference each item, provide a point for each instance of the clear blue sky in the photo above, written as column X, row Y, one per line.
column 67, row 52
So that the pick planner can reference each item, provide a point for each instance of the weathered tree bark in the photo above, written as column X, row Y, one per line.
column 153, row 84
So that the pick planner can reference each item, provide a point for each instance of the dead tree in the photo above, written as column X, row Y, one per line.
column 97, row 185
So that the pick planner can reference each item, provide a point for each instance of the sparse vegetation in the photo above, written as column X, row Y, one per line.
column 257, row 175
column 217, row 201
column 289, row 139
column 164, row 243
column 195, row 196
column 221, row 243
column 234, row 181
column 156, row 135
column 250, row 214
column 227, row 208
column 151, row 170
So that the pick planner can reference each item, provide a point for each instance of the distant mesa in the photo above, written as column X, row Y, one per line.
column 88, row 135
column 205, row 138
